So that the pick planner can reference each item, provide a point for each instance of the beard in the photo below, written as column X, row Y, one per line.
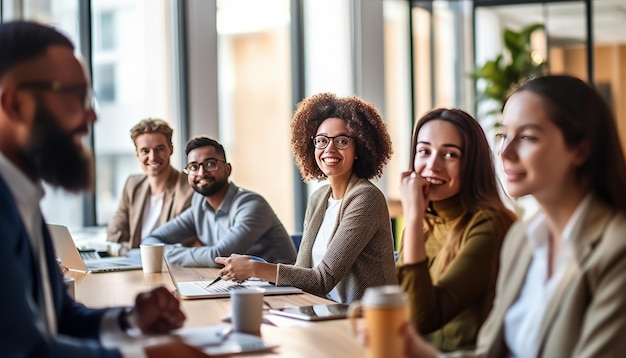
column 51, row 154
column 211, row 189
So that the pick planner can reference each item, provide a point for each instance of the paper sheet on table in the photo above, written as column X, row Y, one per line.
column 210, row 339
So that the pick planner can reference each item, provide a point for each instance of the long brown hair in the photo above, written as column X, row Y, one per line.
column 583, row 116
column 479, row 185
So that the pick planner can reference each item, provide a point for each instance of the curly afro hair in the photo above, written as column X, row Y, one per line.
column 369, row 133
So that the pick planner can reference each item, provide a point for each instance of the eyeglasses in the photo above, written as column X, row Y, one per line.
column 340, row 142
column 81, row 92
column 209, row 165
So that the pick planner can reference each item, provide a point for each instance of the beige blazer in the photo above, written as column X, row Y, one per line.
column 126, row 224
column 589, row 318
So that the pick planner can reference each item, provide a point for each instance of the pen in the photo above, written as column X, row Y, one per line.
column 219, row 278
column 214, row 281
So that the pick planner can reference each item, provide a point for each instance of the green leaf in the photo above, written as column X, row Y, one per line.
column 500, row 76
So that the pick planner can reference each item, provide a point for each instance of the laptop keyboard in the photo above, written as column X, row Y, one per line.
column 89, row 255
column 103, row 264
column 220, row 286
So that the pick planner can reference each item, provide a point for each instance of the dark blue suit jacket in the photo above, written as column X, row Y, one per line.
column 20, row 289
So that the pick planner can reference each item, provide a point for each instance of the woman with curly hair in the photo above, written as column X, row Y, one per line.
column 347, row 244
column 454, row 226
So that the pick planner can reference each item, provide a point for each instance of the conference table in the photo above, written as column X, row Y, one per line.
column 294, row 338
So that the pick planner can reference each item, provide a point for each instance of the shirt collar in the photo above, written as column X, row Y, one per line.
column 227, row 201
column 538, row 229
column 25, row 191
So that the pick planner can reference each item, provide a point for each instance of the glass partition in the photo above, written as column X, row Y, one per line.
column 561, row 45
column 133, row 78
column 254, row 77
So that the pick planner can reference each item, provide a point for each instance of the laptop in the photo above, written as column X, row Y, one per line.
column 65, row 249
column 200, row 289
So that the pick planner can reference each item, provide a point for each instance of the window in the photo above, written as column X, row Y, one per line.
column 58, row 206
column 107, row 30
column 254, row 87
column 104, row 82
column 133, row 79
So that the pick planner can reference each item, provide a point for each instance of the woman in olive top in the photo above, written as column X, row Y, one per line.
column 560, row 290
column 454, row 226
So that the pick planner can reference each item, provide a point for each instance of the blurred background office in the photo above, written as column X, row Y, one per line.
column 235, row 69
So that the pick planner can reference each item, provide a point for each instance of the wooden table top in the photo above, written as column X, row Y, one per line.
column 295, row 338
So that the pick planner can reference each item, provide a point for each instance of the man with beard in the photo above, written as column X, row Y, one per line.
column 225, row 218
column 153, row 198
column 45, row 110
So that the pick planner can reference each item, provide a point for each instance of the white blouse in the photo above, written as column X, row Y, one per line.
column 523, row 319
column 323, row 237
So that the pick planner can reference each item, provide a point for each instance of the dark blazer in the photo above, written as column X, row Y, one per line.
column 20, row 288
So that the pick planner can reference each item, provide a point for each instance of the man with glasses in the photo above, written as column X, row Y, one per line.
column 153, row 198
column 45, row 111
column 225, row 218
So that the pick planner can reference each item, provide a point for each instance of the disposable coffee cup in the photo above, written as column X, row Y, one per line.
column 384, row 311
column 151, row 257
column 247, row 310
column 69, row 284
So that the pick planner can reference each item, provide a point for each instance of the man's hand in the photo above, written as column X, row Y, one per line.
column 157, row 311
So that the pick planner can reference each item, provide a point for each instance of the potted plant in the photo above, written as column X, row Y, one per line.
column 499, row 76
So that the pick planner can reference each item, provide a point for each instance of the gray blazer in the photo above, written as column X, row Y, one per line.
column 360, row 251
column 589, row 318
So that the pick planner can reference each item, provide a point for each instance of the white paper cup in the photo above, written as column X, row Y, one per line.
column 247, row 310
column 152, row 257
column 69, row 284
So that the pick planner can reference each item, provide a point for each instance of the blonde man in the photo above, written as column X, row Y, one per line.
column 149, row 199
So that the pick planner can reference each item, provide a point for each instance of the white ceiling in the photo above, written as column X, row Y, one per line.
column 566, row 20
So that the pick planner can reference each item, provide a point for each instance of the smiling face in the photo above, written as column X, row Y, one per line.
column 335, row 163
column 153, row 152
column 204, row 182
column 438, row 158
column 535, row 158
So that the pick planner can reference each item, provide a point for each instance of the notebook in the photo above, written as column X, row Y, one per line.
column 201, row 289
column 66, row 250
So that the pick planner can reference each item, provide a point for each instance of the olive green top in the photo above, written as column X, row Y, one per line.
column 450, row 306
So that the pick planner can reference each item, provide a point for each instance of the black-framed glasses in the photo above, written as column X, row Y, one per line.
column 340, row 142
column 209, row 165
column 81, row 92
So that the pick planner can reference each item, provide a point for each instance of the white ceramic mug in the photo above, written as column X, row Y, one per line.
column 152, row 257
column 69, row 284
column 384, row 310
column 247, row 309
